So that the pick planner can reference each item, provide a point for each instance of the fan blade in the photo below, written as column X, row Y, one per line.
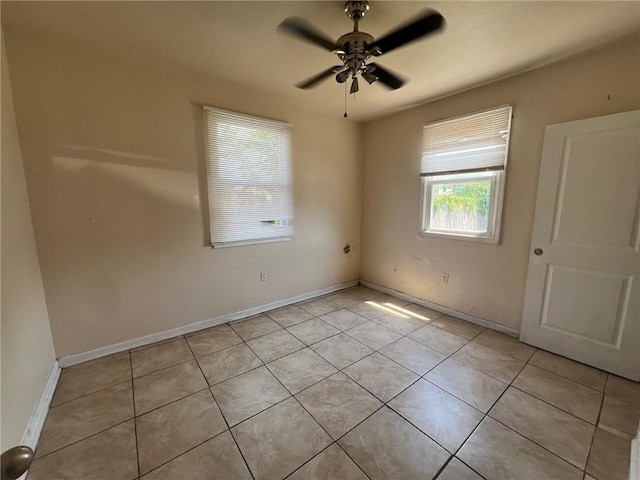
column 311, row 82
column 386, row 77
column 428, row 22
column 303, row 29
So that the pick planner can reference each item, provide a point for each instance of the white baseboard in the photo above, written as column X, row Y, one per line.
column 634, row 464
column 440, row 308
column 76, row 358
column 39, row 415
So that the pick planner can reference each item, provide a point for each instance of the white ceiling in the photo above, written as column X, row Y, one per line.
column 238, row 41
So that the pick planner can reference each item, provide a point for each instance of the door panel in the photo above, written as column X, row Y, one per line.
column 581, row 299
column 589, row 190
column 585, row 303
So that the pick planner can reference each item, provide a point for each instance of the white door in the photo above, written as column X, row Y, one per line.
column 582, row 293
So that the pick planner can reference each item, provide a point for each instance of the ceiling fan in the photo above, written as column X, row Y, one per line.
column 354, row 49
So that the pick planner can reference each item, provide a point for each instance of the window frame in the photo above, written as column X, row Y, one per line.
column 494, row 222
column 495, row 207
column 273, row 182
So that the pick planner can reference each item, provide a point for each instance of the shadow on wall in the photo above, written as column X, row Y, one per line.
column 194, row 194
column 119, row 193
column 203, row 185
column 121, row 226
column 147, row 174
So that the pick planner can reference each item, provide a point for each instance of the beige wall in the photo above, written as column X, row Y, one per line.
column 115, row 168
column 114, row 160
column 486, row 281
column 26, row 347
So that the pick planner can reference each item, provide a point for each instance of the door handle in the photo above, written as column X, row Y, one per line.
column 15, row 462
column 538, row 251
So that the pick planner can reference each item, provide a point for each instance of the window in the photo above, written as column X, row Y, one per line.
column 250, row 179
column 463, row 170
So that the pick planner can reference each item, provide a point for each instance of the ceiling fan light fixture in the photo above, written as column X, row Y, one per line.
column 354, row 85
column 342, row 76
column 369, row 77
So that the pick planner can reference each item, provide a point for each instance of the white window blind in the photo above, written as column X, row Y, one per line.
column 475, row 142
column 250, row 178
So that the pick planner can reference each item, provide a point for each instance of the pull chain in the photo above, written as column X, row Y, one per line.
column 345, row 100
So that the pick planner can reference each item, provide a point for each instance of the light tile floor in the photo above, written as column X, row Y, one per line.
column 353, row 385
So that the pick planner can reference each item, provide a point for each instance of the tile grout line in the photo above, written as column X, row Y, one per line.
column 486, row 414
column 552, row 405
column 141, row 348
column 221, row 414
column 94, row 361
column 183, row 453
column 102, row 389
column 420, row 377
column 92, row 434
column 536, row 443
column 169, row 403
column 469, row 467
column 129, row 352
column 317, row 341
column 586, row 465
column 568, row 378
column 166, row 368
column 302, row 406
column 258, row 413
column 363, row 387
column 173, row 401
column 135, row 423
column 85, row 438
column 222, row 350
column 316, row 455
column 444, row 466
column 565, row 377
column 182, row 398
column 235, row 441
column 343, row 435
column 386, row 403
column 236, row 375
column 309, row 346
column 195, row 358
column 515, row 431
column 338, row 371
column 162, row 368
column 264, row 362
column 520, row 389
column 480, row 371
column 321, row 380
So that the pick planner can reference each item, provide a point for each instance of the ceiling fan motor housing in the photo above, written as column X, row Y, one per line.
column 353, row 51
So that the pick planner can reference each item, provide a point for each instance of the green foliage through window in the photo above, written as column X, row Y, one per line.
column 461, row 206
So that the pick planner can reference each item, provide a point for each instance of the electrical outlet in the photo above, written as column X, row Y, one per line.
column 263, row 276
column 445, row 277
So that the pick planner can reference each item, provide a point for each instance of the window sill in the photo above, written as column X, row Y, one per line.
column 457, row 236
column 251, row 242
